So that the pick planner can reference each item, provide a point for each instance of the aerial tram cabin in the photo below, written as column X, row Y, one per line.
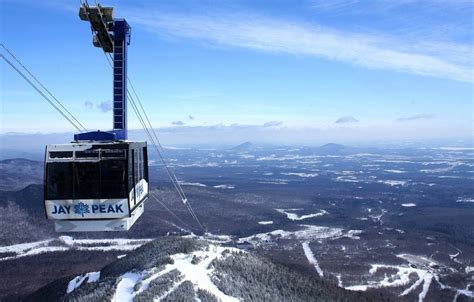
column 99, row 181
column 92, row 186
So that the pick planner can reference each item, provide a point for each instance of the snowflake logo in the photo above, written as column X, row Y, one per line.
column 81, row 208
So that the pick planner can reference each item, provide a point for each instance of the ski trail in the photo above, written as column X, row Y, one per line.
column 426, row 286
column 124, row 291
column 310, row 256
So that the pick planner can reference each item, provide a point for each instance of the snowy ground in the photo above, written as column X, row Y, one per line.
column 76, row 282
column 401, row 276
column 465, row 200
column 224, row 187
column 307, row 232
column 301, row 174
column 198, row 273
column 395, row 171
column 393, row 182
column 196, row 184
column 66, row 243
column 294, row 216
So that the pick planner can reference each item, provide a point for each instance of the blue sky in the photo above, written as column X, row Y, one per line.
column 354, row 70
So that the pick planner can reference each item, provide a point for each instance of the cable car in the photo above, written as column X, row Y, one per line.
column 99, row 182
column 94, row 186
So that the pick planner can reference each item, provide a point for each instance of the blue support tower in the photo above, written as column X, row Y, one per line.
column 121, row 41
column 113, row 36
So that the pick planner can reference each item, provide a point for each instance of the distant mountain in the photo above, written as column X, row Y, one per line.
column 243, row 146
column 17, row 173
column 332, row 148
column 29, row 199
column 183, row 269
column 19, row 161
column 22, row 216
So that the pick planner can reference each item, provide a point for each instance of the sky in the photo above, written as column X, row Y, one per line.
column 274, row 71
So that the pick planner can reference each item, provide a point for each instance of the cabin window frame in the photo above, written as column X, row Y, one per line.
column 72, row 187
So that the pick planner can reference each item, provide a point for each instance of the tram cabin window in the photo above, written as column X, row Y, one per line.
column 95, row 179
column 87, row 180
column 145, row 163
column 61, row 154
column 113, row 179
column 87, row 154
column 60, row 180
column 113, row 154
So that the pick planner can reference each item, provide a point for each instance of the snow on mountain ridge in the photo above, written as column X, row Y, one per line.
column 185, row 269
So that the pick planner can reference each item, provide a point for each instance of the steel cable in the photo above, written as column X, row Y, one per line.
column 40, row 92
column 42, row 86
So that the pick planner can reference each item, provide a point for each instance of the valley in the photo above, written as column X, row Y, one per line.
column 393, row 220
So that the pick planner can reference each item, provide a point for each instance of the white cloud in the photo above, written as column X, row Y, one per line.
column 235, row 134
column 346, row 119
column 430, row 58
column 238, row 133
column 177, row 123
column 364, row 7
column 273, row 124
column 105, row 106
column 423, row 116
column 88, row 105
